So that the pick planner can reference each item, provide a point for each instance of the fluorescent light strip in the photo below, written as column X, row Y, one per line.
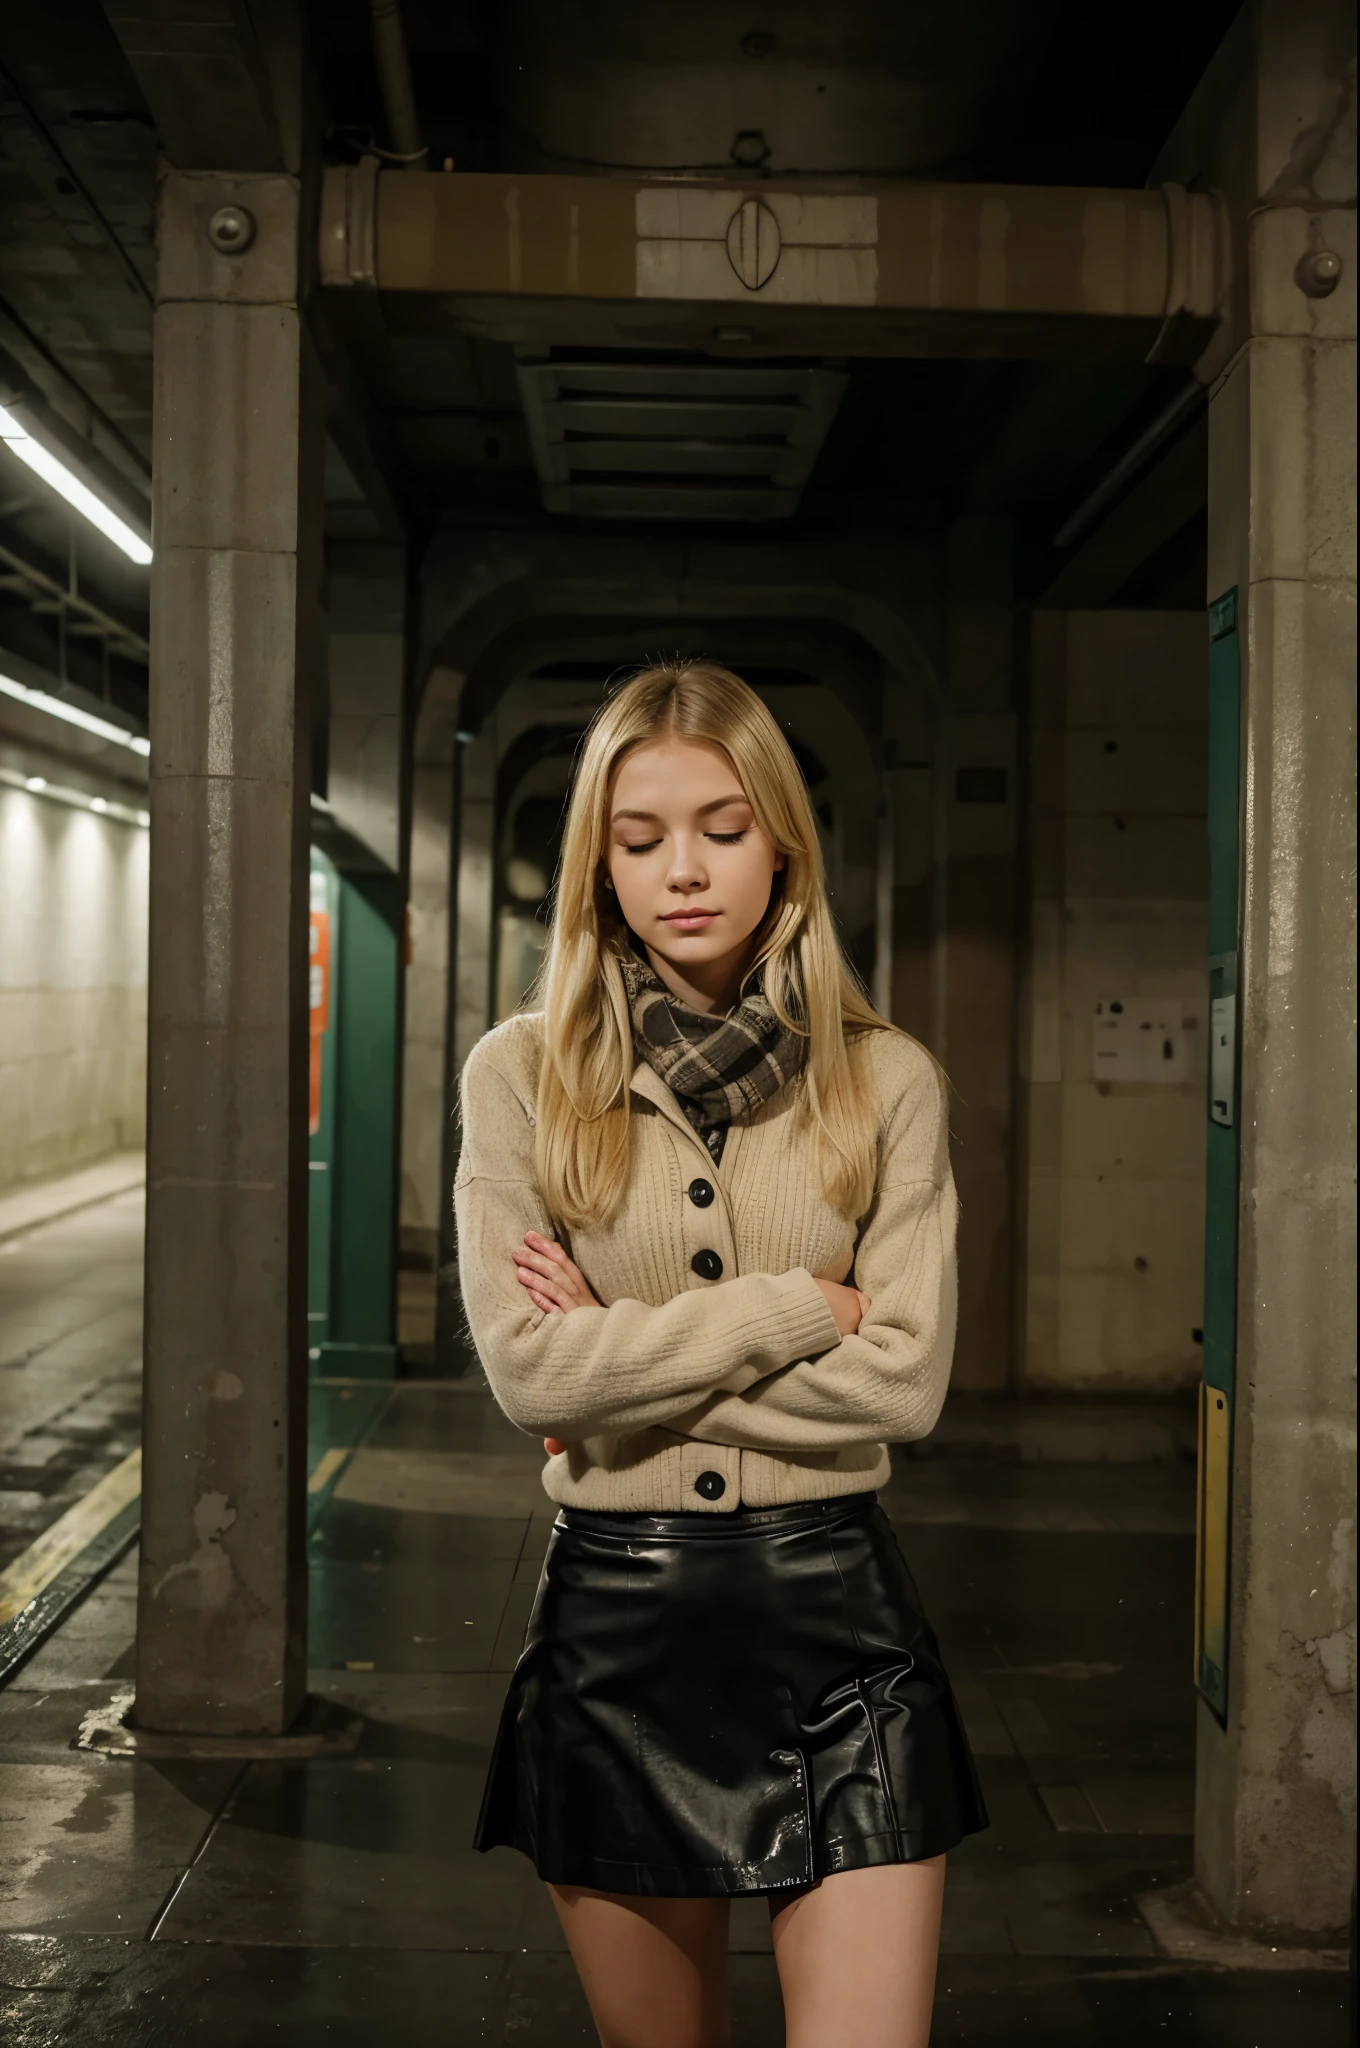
column 45, row 464
column 78, row 799
column 57, row 707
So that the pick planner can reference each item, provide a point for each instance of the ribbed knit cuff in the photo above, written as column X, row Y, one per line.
column 806, row 1323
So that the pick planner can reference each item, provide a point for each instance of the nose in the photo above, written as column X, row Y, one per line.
column 686, row 870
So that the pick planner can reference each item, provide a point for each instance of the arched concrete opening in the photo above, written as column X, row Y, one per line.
column 850, row 645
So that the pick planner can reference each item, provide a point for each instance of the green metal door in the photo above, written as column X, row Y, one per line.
column 1221, row 1162
column 362, row 1338
column 352, row 1181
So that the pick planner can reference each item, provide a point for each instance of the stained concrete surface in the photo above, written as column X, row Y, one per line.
column 338, row 1901
column 30, row 1203
column 70, row 1361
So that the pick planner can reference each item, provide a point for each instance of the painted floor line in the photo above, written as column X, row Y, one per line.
column 326, row 1467
column 29, row 1574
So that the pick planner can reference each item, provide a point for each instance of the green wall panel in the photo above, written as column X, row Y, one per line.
column 363, row 1232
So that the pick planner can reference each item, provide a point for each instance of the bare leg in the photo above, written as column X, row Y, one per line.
column 654, row 1971
column 856, row 1957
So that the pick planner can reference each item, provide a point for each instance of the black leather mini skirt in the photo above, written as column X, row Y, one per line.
column 712, row 1705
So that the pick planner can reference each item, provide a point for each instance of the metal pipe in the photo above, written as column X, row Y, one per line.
column 1130, row 462
column 393, row 62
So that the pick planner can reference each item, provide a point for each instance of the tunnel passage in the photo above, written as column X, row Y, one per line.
column 985, row 389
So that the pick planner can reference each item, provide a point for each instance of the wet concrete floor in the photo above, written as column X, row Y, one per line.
column 338, row 1902
column 70, row 1361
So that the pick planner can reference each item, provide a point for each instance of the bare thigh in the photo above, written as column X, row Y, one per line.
column 654, row 1971
column 856, row 1957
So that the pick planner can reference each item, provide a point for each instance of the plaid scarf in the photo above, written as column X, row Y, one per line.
column 719, row 1068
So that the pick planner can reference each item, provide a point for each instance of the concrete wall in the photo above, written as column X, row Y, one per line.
column 1111, row 1180
column 73, row 907
column 973, row 887
column 1272, row 127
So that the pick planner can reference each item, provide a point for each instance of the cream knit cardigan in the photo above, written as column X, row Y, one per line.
column 746, row 1375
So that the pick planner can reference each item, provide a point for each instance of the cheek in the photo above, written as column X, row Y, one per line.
column 754, row 879
column 632, row 885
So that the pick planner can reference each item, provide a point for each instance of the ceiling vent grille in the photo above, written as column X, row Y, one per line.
column 659, row 440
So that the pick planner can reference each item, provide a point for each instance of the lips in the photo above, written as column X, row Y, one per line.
column 690, row 920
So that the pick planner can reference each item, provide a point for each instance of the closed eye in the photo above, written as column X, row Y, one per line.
column 719, row 839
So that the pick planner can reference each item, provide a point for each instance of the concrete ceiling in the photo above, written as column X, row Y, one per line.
column 985, row 88
column 812, row 90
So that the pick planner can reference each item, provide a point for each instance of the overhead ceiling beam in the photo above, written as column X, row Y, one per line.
column 1158, row 506
column 73, row 402
column 361, row 434
column 1058, row 417
column 1002, row 270
column 206, row 79
column 29, row 141
column 43, row 594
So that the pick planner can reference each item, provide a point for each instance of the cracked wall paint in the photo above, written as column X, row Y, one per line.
column 1336, row 1656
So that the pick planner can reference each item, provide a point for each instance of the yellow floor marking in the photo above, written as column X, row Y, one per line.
column 327, row 1465
column 43, row 1561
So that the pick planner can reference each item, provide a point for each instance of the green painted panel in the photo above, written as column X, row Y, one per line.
column 362, row 1335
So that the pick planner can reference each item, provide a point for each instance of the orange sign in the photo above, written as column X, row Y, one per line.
column 319, row 995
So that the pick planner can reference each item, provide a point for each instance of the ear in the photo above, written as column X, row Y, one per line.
column 780, row 861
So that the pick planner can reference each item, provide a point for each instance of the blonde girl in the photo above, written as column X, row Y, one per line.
column 706, row 1228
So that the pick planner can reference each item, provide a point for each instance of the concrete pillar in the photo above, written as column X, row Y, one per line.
column 476, row 889
column 426, row 1056
column 974, row 932
column 1273, row 124
column 470, row 985
column 221, row 1644
column 366, row 594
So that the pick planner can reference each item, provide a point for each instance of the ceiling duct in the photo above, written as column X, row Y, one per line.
column 669, row 440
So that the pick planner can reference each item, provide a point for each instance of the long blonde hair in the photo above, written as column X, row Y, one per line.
column 583, row 1128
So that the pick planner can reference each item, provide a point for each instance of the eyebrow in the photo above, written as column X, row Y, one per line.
column 719, row 803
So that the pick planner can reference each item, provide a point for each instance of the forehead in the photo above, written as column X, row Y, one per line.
column 673, row 774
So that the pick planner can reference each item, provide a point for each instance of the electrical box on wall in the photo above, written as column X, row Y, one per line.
column 1147, row 1038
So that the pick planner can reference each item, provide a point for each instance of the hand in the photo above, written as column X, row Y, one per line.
column 849, row 1305
column 555, row 1285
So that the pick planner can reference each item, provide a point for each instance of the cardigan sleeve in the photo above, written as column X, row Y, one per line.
column 888, row 1381
column 612, row 1370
